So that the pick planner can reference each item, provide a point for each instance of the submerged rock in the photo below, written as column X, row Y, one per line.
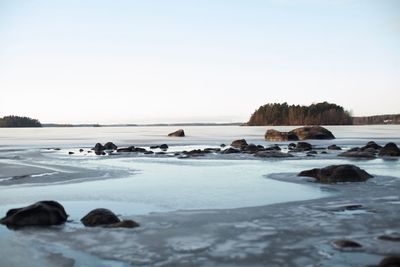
column 313, row 132
column 230, row 150
column 337, row 174
column 106, row 218
column 395, row 237
column 241, row 143
column 390, row 150
column 178, row 133
column 272, row 154
column 42, row 213
column 277, row 136
column 358, row 154
column 346, row 244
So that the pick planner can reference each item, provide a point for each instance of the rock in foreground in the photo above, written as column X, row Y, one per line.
column 337, row 174
column 42, row 213
column 106, row 218
column 178, row 133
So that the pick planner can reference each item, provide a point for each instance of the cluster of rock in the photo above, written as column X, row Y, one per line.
column 48, row 212
column 302, row 133
column 371, row 150
column 337, row 174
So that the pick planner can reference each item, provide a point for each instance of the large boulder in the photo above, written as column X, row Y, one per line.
column 389, row 150
column 241, row 143
column 178, row 133
column 337, row 173
column 313, row 132
column 42, row 213
column 106, row 218
column 277, row 136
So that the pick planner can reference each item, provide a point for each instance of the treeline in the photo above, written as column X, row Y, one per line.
column 16, row 121
column 316, row 114
column 378, row 119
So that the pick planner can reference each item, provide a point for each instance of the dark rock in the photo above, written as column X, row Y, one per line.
column 222, row 145
column 139, row 149
column 164, row 147
column 160, row 153
column 124, row 149
column 312, row 152
column 346, row 244
column 154, row 147
column 70, row 153
column 371, row 144
column 178, row 133
column 291, row 146
column 98, row 147
column 100, row 217
column 210, row 149
column 303, row 146
column 42, row 213
column 148, row 152
column 194, row 152
column 272, row 154
column 273, row 148
column 89, row 151
column 354, row 149
column 357, row 154
column 395, row 237
column 241, row 143
column 123, row 224
column 110, row 146
column 313, row 132
column 324, row 152
column 390, row 261
column 251, row 148
column 334, row 147
column 230, row 150
column 57, row 148
column 337, row 174
column 277, row 136
column 81, row 150
column 390, row 150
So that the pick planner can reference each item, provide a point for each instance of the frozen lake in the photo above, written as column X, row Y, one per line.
column 133, row 185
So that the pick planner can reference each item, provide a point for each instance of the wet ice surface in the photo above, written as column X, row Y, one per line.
column 212, row 211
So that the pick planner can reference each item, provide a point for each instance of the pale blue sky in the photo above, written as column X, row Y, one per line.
column 179, row 61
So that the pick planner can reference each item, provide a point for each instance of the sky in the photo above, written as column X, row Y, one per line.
column 171, row 61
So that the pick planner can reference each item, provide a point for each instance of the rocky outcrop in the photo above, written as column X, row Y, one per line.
column 241, row 143
column 302, row 133
column 337, row 173
column 313, row 132
column 389, row 150
column 42, row 213
column 106, row 218
column 178, row 133
column 277, row 136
